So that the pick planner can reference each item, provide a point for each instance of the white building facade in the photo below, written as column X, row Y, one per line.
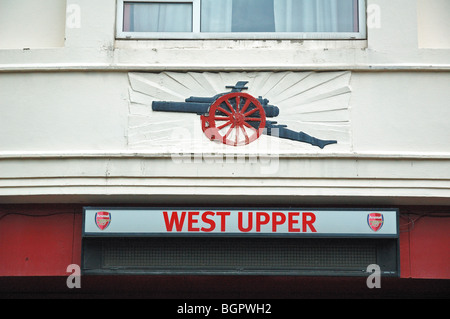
column 78, row 79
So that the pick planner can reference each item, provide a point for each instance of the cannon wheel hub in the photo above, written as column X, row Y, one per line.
column 234, row 119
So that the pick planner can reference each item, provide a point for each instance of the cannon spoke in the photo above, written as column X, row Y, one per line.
column 251, row 112
column 225, row 125
column 229, row 131
column 253, row 119
column 220, row 118
column 224, row 111
column 251, row 127
column 238, row 102
column 247, row 140
column 230, row 106
column 244, row 108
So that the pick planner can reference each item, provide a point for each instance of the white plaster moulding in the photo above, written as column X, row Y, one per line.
column 149, row 154
column 105, row 67
column 112, row 176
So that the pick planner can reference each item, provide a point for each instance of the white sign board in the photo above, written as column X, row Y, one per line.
column 100, row 221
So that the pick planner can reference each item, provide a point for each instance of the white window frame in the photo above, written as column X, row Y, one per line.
column 196, row 34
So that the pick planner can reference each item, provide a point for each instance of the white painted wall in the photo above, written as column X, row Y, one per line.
column 77, row 112
column 32, row 24
column 62, row 111
column 90, row 44
column 386, row 112
column 401, row 112
column 434, row 24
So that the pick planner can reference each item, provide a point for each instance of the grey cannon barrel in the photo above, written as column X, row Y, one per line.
column 200, row 105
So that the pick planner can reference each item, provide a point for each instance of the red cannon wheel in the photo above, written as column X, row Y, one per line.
column 234, row 119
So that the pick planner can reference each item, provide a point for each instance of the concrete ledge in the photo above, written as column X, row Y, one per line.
column 297, row 179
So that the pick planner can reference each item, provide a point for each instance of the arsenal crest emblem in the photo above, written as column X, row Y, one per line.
column 375, row 221
column 102, row 219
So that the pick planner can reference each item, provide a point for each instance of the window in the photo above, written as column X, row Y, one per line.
column 241, row 19
column 157, row 17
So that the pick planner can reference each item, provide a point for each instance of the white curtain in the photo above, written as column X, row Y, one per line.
column 158, row 17
column 245, row 16
column 216, row 15
column 288, row 15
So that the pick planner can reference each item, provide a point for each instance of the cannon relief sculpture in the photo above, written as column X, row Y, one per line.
column 236, row 118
